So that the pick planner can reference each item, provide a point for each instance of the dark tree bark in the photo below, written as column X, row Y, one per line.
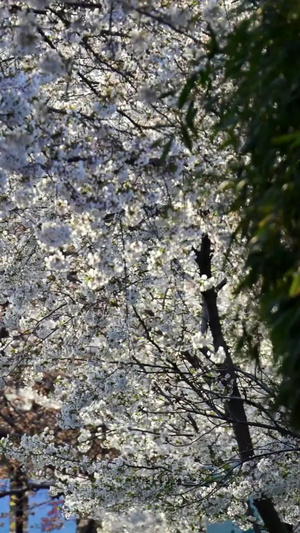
column 85, row 525
column 235, row 405
column 19, row 499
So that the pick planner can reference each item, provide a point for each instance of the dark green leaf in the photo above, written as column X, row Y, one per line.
column 166, row 149
column 186, row 137
column 190, row 116
column 184, row 95
column 158, row 142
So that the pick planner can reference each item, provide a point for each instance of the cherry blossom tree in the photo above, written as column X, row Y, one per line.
column 114, row 279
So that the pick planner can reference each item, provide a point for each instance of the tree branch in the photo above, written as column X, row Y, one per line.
column 235, row 405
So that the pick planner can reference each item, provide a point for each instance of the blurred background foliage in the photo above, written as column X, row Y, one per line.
column 251, row 83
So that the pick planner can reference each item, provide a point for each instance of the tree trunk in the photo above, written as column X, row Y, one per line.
column 235, row 405
column 18, row 501
column 85, row 525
